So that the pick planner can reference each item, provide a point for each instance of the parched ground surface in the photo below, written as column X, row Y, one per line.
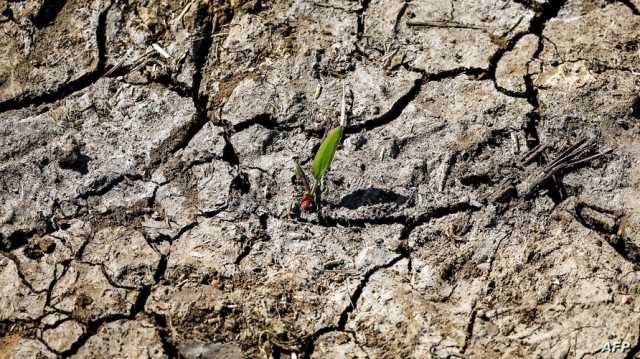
column 484, row 203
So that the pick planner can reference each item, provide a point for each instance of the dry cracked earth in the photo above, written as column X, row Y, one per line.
column 484, row 202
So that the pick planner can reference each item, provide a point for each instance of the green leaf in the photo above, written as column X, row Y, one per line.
column 324, row 156
column 300, row 173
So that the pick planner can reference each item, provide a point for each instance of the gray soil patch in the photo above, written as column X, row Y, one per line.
column 484, row 201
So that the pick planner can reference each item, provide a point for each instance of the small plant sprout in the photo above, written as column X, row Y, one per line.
column 322, row 162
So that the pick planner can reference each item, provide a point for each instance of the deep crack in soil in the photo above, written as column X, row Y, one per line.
column 154, row 195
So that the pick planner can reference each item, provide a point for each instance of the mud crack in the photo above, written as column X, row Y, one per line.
column 544, row 13
column 398, row 107
column 308, row 344
column 631, row 6
column 73, row 86
column 47, row 13
column 92, row 327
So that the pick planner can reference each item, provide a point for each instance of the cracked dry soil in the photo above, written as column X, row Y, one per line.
column 484, row 203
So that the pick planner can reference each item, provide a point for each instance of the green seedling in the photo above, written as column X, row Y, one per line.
column 322, row 162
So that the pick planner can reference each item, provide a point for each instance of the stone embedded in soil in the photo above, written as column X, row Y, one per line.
column 46, row 49
column 138, row 338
